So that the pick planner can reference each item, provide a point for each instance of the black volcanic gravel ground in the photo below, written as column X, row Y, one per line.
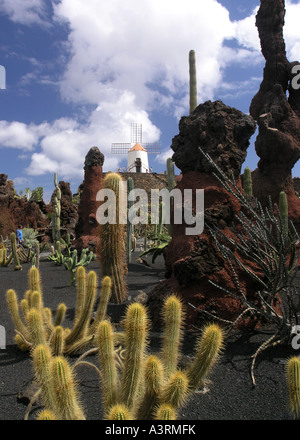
column 230, row 396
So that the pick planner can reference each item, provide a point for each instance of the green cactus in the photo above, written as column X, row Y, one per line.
column 119, row 412
column 247, row 182
column 46, row 415
column 102, row 306
column 38, row 326
column 129, row 237
column 165, row 412
column 171, row 186
column 136, row 329
column 109, row 373
column 207, row 353
column 112, row 249
column 4, row 259
column 293, row 382
column 14, row 251
column 283, row 209
column 42, row 358
column 80, row 328
column 56, row 212
column 154, row 376
column 193, row 81
column 173, row 316
column 134, row 384
column 170, row 174
column 65, row 392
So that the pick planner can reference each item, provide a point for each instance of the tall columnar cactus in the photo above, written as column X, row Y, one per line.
column 173, row 333
column 130, row 187
column 56, row 212
column 170, row 174
column 112, row 249
column 283, row 209
column 247, row 182
column 14, row 251
column 34, row 322
column 109, row 372
column 171, row 185
column 293, row 382
column 193, row 81
column 136, row 330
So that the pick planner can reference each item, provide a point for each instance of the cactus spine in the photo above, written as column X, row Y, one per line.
column 193, row 81
column 112, row 241
column 247, row 182
column 293, row 381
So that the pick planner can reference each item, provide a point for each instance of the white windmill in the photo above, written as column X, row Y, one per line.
column 137, row 151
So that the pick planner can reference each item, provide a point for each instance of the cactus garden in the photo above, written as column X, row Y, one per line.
column 164, row 297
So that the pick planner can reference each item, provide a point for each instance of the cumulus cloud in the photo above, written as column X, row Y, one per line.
column 17, row 135
column 126, row 60
column 25, row 12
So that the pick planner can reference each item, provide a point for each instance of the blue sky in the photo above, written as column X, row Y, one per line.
column 78, row 73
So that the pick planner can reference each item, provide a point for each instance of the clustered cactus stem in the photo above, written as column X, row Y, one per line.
column 134, row 386
column 37, row 326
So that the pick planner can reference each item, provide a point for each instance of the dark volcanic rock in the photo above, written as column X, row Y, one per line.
column 69, row 215
column 276, row 108
column 87, row 227
column 222, row 131
column 193, row 261
column 15, row 211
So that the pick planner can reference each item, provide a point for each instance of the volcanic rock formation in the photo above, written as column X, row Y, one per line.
column 15, row 210
column 86, row 229
column 222, row 132
column 276, row 108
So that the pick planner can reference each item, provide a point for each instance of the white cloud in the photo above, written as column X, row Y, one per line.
column 17, row 135
column 125, row 60
column 25, row 12
column 291, row 30
column 118, row 46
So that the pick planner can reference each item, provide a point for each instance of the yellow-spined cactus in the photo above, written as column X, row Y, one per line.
column 293, row 382
column 34, row 323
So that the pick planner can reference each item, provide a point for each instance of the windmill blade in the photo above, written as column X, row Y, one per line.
column 120, row 148
column 151, row 148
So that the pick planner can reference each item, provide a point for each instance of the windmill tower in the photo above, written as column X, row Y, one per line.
column 137, row 151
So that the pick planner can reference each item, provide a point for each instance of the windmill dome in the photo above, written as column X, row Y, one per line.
column 137, row 147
